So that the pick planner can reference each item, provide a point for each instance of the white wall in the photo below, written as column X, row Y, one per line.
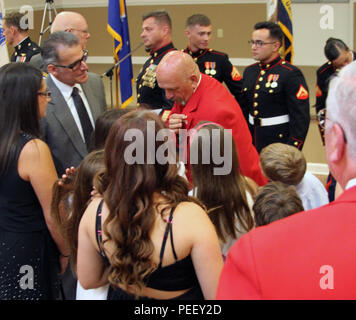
column 310, row 38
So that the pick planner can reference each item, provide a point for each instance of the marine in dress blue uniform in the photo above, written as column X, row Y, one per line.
column 25, row 50
column 147, row 87
column 276, row 103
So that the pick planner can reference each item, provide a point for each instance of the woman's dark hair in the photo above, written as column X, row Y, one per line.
column 129, row 197
column 102, row 126
column 19, row 84
column 80, row 190
column 223, row 195
column 333, row 48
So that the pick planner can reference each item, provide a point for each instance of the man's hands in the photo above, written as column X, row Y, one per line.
column 176, row 121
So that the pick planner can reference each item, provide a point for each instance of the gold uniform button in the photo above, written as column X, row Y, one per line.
column 271, row 91
column 283, row 62
column 138, row 95
column 296, row 143
column 245, row 89
column 260, row 79
column 267, row 66
column 281, row 135
column 257, row 87
column 255, row 104
column 151, row 61
column 140, row 86
column 255, row 113
column 195, row 59
column 263, row 72
column 256, row 95
column 155, row 55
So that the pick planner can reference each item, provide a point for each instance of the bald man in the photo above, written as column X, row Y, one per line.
column 199, row 97
column 68, row 21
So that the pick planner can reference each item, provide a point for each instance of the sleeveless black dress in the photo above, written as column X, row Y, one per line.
column 174, row 277
column 29, row 265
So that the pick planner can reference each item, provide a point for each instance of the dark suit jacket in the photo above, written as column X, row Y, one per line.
column 59, row 129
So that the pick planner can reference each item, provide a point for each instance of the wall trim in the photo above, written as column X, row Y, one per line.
column 318, row 168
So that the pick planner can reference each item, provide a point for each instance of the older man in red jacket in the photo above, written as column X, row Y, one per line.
column 198, row 97
column 312, row 254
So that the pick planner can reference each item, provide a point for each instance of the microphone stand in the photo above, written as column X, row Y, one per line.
column 109, row 73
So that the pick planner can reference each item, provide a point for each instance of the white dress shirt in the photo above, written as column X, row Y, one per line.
column 66, row 92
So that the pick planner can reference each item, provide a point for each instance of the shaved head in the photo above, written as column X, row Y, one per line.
column 178, row 75
column 74, row 22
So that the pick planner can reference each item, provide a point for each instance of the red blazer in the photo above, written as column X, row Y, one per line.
column 213, row 102
column 309, row 255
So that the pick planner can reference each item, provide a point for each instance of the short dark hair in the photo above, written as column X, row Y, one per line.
column 198, row 19
column 275, row 201
column 275, row 30
column 14, row 19
column 333, row 47
column 50, row 46
column 161, row 16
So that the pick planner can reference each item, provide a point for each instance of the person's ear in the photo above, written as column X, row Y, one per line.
column 187, row 32
column 277, row 45
column 337, row 143
column 194, row 80
column 52, row 69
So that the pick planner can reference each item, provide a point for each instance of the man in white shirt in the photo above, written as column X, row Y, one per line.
column 77, row 99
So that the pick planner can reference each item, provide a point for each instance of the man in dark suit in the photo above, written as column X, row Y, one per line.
column 66, row 126
column 309, row 255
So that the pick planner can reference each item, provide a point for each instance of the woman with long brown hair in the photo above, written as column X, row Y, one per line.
column 228, row 194
column 145, row 202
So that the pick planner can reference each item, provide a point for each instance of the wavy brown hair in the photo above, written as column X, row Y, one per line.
column 223, row 195
column 71, row 200
column 129, row 197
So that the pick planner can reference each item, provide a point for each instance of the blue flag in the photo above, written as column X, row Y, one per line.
column 4, row 56
column 284, row 19
column 119, row 29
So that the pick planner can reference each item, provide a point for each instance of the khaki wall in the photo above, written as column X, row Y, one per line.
column 236, row 20
column 234, row 42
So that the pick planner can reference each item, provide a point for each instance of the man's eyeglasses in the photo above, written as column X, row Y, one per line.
column 322, row 117
column 76, row 64
column 322, row 120
column 259, row 43
column 45, row 93
column 82, row 31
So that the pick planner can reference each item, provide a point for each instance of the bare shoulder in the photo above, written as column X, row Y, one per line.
column 190, row 214
column 35, row 148
column 89, row 214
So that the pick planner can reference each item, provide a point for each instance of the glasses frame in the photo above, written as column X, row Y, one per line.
column 322, row 117
column 46, row 93
column 259, row 43
column 75, row 63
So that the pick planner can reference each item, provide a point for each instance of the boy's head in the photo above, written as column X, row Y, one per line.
column 282, row 162
column 275, row 201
